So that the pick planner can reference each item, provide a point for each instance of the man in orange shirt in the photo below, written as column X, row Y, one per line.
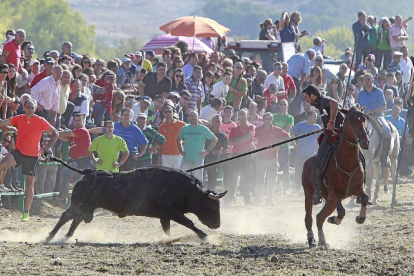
column 171, row 156
column 30, row 128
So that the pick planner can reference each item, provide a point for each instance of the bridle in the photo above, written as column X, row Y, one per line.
column 357, row 137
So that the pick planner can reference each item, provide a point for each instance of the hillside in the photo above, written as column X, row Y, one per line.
column 116, row 19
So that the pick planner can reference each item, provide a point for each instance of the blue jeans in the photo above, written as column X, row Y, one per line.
column 81, row 163
column 284, row 155
column 98, row 113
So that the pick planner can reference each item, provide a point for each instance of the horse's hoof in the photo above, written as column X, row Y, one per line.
column 395, row 202
column 311, row 242
column 360, row 220
column 333, row 220
column 323, row 244
column 374, row 201
column 386, row 190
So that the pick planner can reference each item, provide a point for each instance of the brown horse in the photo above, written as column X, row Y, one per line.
column 344, row 176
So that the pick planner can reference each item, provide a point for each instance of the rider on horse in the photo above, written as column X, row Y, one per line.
column 373, row 99
column 328, row 108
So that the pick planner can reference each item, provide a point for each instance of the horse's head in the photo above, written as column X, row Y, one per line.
column 355, row 126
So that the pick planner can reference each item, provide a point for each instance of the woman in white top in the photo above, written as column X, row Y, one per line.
column 221, row 89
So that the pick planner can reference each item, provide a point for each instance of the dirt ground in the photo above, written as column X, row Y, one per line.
column 250, row 241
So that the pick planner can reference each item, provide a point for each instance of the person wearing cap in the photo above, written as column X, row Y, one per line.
column 155, row 141
column 155, row 83
column 48, row 64
column 12, row 51
column 132, row 135
column 34, row 69
column 395, row 64
column 170, row 129
column 195, row 137
column 133, row 70
column 123, row 74
column 189, row 67
column 141, row 107
column 331, row 121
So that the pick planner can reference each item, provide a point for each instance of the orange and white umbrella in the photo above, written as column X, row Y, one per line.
column 194, row 26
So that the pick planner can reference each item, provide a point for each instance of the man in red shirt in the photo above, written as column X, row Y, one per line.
column 12, row 52
column 49, row 63
column 30, row 129
column 266, row 160
column 79, row 155
column 290, row 86
column 241, row 138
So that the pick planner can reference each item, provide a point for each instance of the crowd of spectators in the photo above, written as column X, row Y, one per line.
column 185, row 109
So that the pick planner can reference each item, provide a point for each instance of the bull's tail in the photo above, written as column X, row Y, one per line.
column 82, row 172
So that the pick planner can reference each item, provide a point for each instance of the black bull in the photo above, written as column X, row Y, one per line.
column 156, row 192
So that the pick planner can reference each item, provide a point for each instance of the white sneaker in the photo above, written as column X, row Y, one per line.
column 3, row 189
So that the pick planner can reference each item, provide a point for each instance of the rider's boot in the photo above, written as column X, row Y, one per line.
column 386, row 146
column 317, row 198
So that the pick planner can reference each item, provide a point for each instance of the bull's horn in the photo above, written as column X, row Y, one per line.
column 217, row 197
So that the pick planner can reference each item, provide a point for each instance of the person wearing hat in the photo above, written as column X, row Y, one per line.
column 141, row 107
column 124, row 73
column 34, row 69
column 48, row 64
column 174, row 97
column 395, row 65
column 333, row 120
column 155, row 141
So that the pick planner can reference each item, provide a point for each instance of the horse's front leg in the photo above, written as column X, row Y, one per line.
column 341, row 213
column 329, row 207
column 363, row 213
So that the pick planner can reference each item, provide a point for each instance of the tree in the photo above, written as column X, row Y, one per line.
column 337, row 39
column 48, row 24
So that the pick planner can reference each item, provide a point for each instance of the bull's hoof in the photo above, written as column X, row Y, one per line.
column 360, row 220
column 333, row 220
column 311, row 242
column 203, row 236
column 323, row 244
column 48, row 239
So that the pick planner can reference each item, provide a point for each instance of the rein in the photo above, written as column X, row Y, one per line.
column 354, row 144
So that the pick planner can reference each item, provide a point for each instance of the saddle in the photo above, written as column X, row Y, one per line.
column 332, row 145
column 377, row 125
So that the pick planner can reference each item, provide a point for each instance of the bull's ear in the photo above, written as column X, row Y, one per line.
column 343, row 111
column 217, row 197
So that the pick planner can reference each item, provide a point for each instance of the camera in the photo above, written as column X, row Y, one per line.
column 369, row 59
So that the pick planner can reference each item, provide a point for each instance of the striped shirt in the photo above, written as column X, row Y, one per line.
column 153, row 138
column 197, row 92
column 395, row 30
column 47, row 93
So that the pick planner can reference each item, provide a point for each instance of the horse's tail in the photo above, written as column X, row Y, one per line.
column 82, row 172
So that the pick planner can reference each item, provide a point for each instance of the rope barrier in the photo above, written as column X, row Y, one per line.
column 257, row 150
